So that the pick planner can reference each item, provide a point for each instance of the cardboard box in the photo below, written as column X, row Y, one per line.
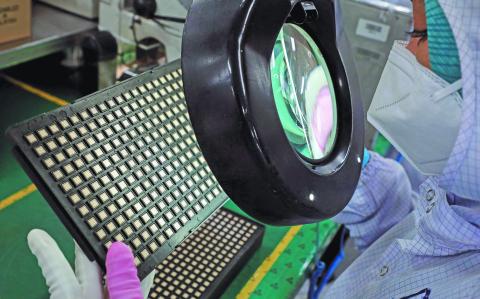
column 15, row 19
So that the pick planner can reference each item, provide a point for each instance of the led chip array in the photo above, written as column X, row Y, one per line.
column 197, row 268
column 126, row 165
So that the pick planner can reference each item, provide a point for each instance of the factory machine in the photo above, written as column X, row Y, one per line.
column 150, row 25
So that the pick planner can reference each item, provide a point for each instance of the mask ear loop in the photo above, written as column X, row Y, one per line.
column 448, row 90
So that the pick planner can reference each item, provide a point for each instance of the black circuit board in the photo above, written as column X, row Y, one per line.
column 208, row 260
column 122, row 164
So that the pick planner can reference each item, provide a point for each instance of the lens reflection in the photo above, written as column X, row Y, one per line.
column 303, row 92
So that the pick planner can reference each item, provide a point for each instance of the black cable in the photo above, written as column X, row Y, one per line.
column 423, row 34
column 135, row 20
column 170, row 19
column 165, row 27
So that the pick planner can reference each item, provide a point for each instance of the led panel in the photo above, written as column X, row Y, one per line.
column 206, row 262
column 122, row 164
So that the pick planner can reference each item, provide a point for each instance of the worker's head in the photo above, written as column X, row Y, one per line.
column 417, row 105
column 432, row 41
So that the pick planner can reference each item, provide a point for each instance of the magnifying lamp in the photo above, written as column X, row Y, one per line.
column 274, row 102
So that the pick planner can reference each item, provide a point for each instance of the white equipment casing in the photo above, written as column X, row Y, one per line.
column 116, row 17
column 371, row 27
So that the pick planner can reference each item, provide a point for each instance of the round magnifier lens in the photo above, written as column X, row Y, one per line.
column 303, row 93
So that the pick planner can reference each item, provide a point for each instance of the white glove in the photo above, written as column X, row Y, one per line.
column 62, row 282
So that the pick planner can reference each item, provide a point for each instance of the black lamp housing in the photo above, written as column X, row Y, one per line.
column 226, row 51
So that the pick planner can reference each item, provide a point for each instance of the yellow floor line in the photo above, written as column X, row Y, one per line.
column 17, row 196
column 44, row 95
column 267, row 264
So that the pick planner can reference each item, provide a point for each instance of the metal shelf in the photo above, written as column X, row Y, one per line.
column 53, row 30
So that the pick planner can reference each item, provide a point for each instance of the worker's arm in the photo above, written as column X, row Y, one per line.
column 382, row 199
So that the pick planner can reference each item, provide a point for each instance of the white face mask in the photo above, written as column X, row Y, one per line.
column 417, row 111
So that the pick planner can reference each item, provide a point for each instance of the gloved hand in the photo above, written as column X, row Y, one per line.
column 366, row 158
column 86, row 282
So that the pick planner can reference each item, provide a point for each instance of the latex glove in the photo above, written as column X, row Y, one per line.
column 86, row 282
column 366, row 158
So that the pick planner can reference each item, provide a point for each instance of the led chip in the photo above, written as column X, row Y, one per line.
column 101, row 234
column 79, row 163
column 105, row 180
column 102, row 107
column 122, row 185
column 92, row 222
column 70, row 151
column 72, row 135
column 66, row 186
column 106, row 163
column 74, row 198
column 111, row 227
column 169, row 232
column 86, row 192
column 57, row 175
column 68, row 168
column 120, row 220
column 83, row 210
column 145, row 235
column 115, row 158
column 98, row 152
column 48, row 163
column 93, row 110
column 99, row 136
column 153, row 246
column 113, row 191
column 176, row 226
column 111, row 103
column 77, row 180
column 62, row 140
column 92, row 126
column 103, row 197
column 135, row 92
column 95, row 186
column 97, row 169
column 42, row 133
column 90, row 141
column 107, row 147
column 30, row 138
column 102, row 215
column 51, row 145
column 128, row 231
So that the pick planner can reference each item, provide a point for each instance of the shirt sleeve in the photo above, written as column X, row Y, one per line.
column 382, row 199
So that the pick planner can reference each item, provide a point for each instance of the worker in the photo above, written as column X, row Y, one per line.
column 423, row 244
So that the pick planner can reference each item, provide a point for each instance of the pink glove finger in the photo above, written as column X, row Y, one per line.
column 122, row 279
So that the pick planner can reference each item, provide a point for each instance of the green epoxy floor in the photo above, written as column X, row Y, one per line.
column 20, row 276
